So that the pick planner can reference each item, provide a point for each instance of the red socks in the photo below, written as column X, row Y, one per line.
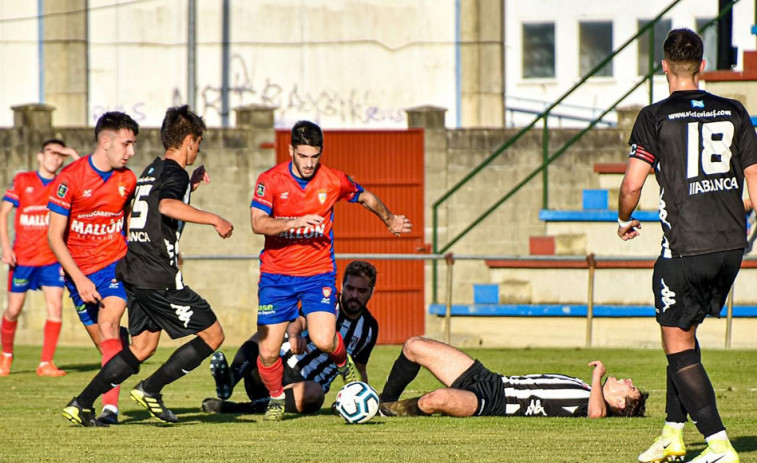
column 109, row 348
column 339, row 356
column 8, row 333
column 50, row 342
column 272, row 377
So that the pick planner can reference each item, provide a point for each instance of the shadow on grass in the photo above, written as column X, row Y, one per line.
column 186, row 416
column 742, row 444
column 192, row 416
column 745, row 444
column 81, row 367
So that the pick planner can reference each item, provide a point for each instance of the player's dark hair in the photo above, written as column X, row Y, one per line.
column 635, row 406
column 179, row 122
column 115, row 121
column 359, row 268
column 52, row 141
column 307, row 133
column 683, row 51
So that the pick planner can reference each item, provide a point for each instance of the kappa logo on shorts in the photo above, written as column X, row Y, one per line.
column 183, row 312
column 668, row 296
column 62, row 190
column 535, row 408
column 114, row 284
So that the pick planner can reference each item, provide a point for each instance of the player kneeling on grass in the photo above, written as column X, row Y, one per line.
column 157, row 297
column 308, row 372
column 472, row 390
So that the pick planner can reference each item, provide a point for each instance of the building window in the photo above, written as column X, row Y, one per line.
column 710, row 40
column 595, row 44
column 661, row 29
column 538, row 50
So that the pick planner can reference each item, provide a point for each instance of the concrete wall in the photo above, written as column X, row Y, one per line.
column 234, row 157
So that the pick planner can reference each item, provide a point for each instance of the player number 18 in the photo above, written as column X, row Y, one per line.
column 715, row 152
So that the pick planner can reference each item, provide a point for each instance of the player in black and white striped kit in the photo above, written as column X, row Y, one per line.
column 702, row 147
column 472, row 390
column 308, row 372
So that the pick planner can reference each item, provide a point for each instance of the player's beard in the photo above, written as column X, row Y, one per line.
column 352, row 306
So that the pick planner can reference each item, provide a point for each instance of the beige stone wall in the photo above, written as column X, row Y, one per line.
column 234, row 157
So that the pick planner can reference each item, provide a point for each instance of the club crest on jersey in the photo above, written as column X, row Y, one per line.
column 322, row 197
column 260, row 190
column 697, row 103
column 122, row 190
column 62, row 190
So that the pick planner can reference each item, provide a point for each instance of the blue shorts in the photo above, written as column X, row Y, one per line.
column 278, row 296
column 22, row 279
column 107, row 285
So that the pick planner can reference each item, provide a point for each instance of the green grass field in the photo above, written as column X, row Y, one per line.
column 33, row 430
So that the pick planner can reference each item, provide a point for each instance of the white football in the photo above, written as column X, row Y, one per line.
column 357, row 402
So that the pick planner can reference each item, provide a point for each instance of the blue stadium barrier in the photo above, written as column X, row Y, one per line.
column 563, row 310
column 548, row 215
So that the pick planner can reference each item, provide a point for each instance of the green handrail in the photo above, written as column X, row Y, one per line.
column 546, row 159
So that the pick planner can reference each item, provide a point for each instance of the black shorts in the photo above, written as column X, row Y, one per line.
column 687, row 289
column 488, row 387
column 180, row 312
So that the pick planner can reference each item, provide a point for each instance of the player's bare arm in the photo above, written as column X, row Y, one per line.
column 597, row 404
column 68, row 152
column 180, row 210
column 750, row 175
column 264, row 224
column 294, row 333
column 9, row 257
column 396, row 224
column 55, row 232
column 630, row 192
column 199, row 176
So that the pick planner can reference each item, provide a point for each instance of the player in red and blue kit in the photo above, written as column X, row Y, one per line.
column 31, row 261
column 293, row 206
column 88, row 203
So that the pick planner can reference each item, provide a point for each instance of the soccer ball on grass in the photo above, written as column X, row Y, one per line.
column 357, row 402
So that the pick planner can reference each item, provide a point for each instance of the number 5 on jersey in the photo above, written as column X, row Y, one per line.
column 139, row 210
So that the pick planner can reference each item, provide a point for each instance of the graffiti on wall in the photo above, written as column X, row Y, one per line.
column 354, row 107
column 347, row 106
column 135, row 110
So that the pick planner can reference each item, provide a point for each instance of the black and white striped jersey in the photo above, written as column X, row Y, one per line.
column 359, row 339
column 546, row 395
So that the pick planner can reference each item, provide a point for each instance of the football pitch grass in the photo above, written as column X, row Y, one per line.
column 33, row 430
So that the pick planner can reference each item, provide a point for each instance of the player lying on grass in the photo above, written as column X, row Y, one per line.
column 472, row 390
column 308, row 372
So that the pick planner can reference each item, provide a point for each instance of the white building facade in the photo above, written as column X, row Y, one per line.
column 342, row 63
